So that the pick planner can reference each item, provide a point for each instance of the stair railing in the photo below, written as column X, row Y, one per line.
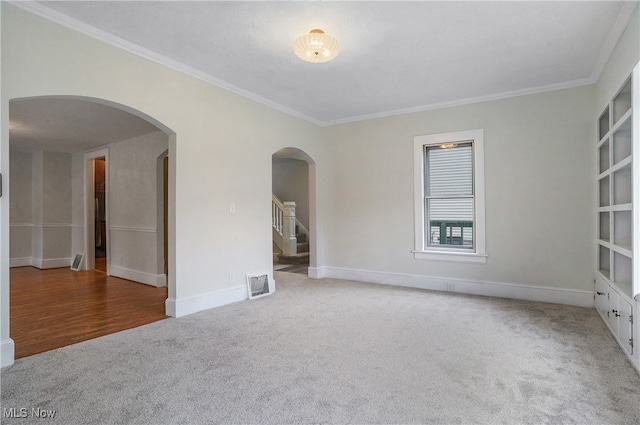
column 283, row 218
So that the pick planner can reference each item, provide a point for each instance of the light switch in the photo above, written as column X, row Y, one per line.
column 232, row 208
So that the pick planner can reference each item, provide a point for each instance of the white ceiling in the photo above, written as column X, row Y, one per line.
column 394, row 56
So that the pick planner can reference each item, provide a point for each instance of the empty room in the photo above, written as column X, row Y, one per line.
column 461, row 177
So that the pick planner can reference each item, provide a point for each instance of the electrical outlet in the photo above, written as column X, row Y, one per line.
column 232, row 208
column 450, row 287
column 232, row 278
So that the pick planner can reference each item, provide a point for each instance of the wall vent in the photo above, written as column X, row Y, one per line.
column 258, row 285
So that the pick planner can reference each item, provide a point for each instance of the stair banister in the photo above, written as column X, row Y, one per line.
column 289, row 241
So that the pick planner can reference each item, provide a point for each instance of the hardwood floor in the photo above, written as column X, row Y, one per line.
column 58, row 307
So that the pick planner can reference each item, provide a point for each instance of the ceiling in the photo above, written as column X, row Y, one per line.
column 395, row 57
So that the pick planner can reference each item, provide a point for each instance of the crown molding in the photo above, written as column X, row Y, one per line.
column 42, row 11
column 467, row 101
column 625, row 15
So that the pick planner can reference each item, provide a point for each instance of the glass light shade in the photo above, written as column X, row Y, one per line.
column 316, row 47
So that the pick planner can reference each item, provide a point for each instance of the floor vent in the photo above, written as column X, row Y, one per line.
column 258, row 285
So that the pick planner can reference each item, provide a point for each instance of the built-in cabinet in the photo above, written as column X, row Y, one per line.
column 618, row 151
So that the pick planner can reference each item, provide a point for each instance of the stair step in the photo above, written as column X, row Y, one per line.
column 301, row 237
column 302, row 247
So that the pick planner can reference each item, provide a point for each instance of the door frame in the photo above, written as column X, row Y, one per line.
column 89, row 210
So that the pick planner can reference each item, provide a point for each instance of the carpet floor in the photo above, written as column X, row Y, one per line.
column 339, row 352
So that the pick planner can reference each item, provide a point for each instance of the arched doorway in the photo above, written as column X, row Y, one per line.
column 293, row 181
column 61, row 138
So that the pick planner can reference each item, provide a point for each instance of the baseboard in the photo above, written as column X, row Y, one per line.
column 51, row 263
column 7, row 352
column 20, row 262
column 184, row 306
column 316, row 272
column 489, row 289
column 157, row 280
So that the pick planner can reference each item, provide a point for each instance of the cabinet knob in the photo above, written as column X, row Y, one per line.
column 600, row 293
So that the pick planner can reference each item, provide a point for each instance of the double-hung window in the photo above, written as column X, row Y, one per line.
column 449, row 196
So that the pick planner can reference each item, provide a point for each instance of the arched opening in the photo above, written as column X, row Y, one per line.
column 293, row 184
column 63, row 209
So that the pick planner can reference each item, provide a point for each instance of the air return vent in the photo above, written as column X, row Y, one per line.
column 258, row 285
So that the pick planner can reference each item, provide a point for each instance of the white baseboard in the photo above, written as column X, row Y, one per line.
column 489, row 289
column 51, row 263
column 183, row 306
column 316, row 272
column 157, row 280
column 7, row 352
column 20, row 262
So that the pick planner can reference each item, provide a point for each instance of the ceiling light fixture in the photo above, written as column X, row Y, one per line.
column 316, row 47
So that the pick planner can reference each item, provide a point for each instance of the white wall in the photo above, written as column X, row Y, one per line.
column 215, row 157
column 20, row 208
column 539, row 162
column 291, row 183
column 135, row 239
column 41, row 220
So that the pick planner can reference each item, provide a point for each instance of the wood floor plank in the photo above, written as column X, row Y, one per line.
column 57, row 307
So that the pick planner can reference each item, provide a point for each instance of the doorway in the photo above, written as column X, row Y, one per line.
column 100, row 222
column 293, row 182
column 96, row 211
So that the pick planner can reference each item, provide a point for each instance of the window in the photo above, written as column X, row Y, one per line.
column 449, row 196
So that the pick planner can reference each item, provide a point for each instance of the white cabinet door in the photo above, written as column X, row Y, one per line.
column 602, row 297
column 625, row 326
column 612, row 314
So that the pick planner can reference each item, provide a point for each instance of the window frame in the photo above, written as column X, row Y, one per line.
column 442, row 253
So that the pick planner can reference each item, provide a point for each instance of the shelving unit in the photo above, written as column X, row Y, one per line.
column 615, row 240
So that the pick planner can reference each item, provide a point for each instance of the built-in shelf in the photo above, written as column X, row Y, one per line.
column 604, row 191
column 603, row 154
column 622, row 179
column 622, row 235
column 604, row 232
column 622, row 101
column 603, row 123
column 617, row 159
column 622, row 142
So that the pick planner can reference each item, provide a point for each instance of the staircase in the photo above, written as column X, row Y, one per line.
column 289, row 235
column 302, row 251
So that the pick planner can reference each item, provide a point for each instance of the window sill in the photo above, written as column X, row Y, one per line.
column 461, row 257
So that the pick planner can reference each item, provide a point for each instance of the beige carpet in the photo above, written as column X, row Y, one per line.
column 329, row 351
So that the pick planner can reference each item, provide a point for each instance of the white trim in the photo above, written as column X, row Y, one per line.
column 7, row 352
column 315, row 272
column 462, row 102
column 51, row 263
column 635, row 152
column 489, row 289
column 20, row 262
column 419, row 142
column 625, row 15
column 462, row 257
column 52, row 225
column 184, row 306
column 134, row 229
column 157, row 280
